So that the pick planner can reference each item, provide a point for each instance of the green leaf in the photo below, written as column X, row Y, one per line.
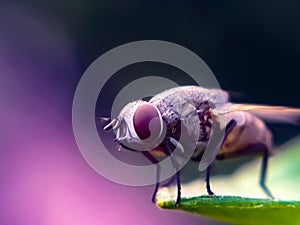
column 239, row 210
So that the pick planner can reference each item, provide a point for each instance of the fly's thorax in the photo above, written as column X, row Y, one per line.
column 191, row 106
column 216, row 98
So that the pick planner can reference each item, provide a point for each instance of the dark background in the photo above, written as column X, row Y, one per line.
column 252, row 47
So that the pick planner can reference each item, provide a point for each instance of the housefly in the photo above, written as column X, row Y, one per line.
column 200, row 113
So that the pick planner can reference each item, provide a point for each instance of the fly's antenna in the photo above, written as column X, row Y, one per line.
column 114, row 124
column 103, row 121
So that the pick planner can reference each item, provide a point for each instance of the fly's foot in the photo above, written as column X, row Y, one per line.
column 210, row 193
column 178, row 200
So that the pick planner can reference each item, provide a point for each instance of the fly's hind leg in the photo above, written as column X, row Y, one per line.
column 261, row 149
column 254, row 149
column 263, row 174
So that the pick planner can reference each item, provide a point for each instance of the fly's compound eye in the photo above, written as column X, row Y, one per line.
column 147, row 122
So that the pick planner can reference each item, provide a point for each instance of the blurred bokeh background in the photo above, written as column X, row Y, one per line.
column 252, row 47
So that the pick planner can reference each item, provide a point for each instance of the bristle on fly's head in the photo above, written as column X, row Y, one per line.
column 114, row 124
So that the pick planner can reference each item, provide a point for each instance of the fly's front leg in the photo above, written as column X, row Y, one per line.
column 154, row 161
column 177, row 175
column 176, row 165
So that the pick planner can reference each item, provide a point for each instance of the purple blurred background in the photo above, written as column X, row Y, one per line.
column 44, row 179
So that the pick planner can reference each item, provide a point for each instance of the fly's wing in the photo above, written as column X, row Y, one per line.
column 269, row 113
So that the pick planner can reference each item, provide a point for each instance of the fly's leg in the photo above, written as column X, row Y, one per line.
column 154, row 161
column 169, row 182
column 207, row 180
column 228, row 129
column 178, row 200
column 254, row 149
column 153, row 198
column 177, row 176
column 263, row 174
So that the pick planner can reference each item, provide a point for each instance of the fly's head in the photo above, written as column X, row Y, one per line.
column 139, row 126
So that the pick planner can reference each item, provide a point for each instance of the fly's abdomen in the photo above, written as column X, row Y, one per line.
column 250, row 130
